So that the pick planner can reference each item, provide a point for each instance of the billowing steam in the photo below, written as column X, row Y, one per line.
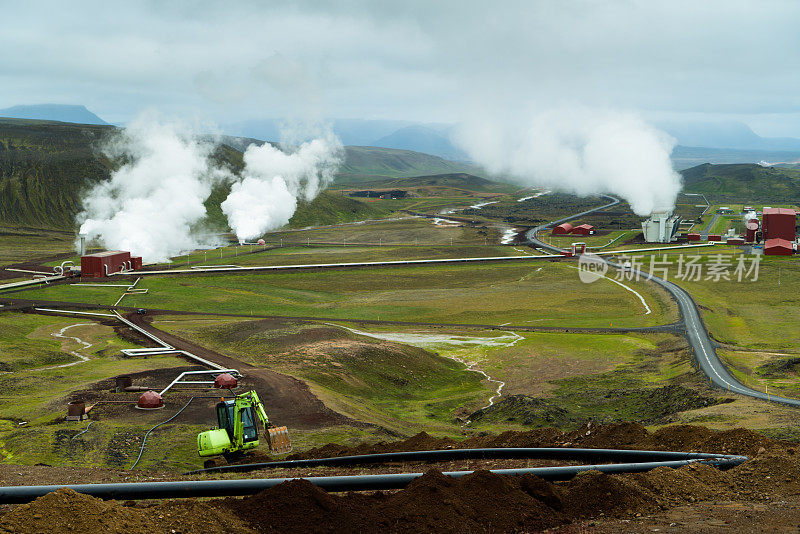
column 579, row 151
column 153, row 203
column 749, row 215
column 150, row 204
column 266, row 196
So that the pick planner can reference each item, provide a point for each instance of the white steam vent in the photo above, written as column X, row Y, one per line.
column 579, row 151
column 152, row 205
column 266, row 196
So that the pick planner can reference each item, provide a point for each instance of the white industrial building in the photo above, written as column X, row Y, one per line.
column 661, row 227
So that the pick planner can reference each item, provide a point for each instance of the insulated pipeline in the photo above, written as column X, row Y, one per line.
column 538, row 453
column 642, row 461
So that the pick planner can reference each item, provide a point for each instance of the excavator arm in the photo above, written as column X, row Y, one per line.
column 277, row 437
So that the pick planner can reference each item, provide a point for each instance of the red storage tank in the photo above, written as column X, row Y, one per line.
column 751, row 228
column 225, row 381
column 104, row 263
column 693, row 237
column 714, row 237
column 779, row 223
column 583, row 229
column 150, row 400
column 563, row 228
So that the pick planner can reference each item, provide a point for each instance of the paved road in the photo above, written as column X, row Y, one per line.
column 696, row 333
column 707, row 230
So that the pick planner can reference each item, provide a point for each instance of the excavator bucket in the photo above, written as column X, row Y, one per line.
column 279, row 440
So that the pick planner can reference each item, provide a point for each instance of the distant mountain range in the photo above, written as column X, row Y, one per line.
column 53, row 112
column 698, row 142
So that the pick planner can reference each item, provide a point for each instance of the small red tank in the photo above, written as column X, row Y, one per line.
column 225, row 381
column 150, row 400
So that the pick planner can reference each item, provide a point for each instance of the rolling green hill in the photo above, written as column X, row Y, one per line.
column 743, row 182
column 331, row 207
column 45, row 167
column 459, row 181
column 366, row 164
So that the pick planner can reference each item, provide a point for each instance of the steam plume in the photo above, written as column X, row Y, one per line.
column 266, row 196
column 579, row 151
column 151, row 203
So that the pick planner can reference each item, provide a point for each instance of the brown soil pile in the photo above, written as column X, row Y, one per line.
column 67, row 511
column 614, row 436
column 480, row 502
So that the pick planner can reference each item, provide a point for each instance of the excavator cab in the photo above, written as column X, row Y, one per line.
column 225, row 417
column 238, row 431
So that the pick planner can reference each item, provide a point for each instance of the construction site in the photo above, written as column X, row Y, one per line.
column 326, row 267
column 273, row 413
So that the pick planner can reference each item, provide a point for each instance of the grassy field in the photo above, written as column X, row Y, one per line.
column 615, row 238
column 390, row 384
column 550, row 379
column 528, row 292
column 407, row 231
column 37, row 396
column 23, row 244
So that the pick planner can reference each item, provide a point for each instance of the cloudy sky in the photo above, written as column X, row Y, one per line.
column 417, row 60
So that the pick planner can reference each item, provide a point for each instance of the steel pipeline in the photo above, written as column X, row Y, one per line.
column 220, row 488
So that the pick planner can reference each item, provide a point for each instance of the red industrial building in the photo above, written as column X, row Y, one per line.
column 105, row 263
column 693, row 237
column 735, row 241
column 779, row 223
column 714, row 237
column 583, row 229
column 778, row 247
column 562, row 229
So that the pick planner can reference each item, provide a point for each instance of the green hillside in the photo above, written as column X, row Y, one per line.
column 430, row 183
column 366, row 164
column 45, row 167
column 332, row 208
column 743, row 182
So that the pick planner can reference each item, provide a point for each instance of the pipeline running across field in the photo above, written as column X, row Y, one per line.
column 636, row 462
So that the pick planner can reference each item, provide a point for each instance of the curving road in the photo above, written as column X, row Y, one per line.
column 706, row 355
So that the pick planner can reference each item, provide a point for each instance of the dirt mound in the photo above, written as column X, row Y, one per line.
column 293, row 506
column 480, row 502
column 613, row 436
column 739, row 441
column 593, row 494
column 67, row 511
column 770, row 473
column 691, row 483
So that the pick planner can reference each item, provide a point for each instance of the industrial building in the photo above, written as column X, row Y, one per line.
column 583, row 229
column 562, row 229
column 661, row 227
column 105, row 263
column 778, row 247
column 779, row 223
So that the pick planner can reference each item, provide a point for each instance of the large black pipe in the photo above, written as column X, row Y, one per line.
column 539, row 453
column 221, row 488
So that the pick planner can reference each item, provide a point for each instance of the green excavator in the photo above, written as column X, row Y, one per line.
column 238, row 432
